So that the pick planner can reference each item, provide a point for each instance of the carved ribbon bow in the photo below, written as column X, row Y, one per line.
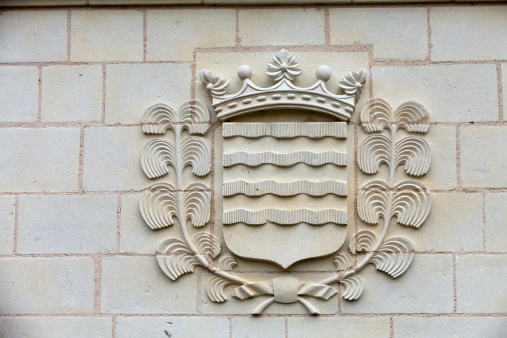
column 284, row 290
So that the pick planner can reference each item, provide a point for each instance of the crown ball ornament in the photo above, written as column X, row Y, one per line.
column 283, row 69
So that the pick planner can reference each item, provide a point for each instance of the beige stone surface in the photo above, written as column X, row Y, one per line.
column 419, row 327
column 133, row 88
column 236, row 306
column 198, row 327
column 6, row 224
column 346, row 327
column 503, row 70
column 442, row 174
column 39, row 159
column 50, row 327
column 496, row 222
column 276, row 26
column 453, row 224
column 480, row 284
column 33, row 36
column 396, row 33
column 473, row 33
column 106, row 35
column 258, row 327
column 112, row 159
column 19, row 89
column 71, row 93
column 135, row 234
column 483, row 157
column 426, row 287
column 47, row 285
column 138, row 285
column 67, row 224
column 450, row 93
column 174, row 34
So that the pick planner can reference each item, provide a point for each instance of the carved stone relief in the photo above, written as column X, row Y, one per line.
column 281, row 177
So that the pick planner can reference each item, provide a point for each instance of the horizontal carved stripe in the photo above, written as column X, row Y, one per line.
column 285, row 159
column 286, row 130
column 285, row 217
column 320, row 188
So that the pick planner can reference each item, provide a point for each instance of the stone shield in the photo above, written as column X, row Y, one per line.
column 284, row 188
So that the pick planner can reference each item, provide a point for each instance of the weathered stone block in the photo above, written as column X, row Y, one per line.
column 346, row 327
column 33, row 36
column 197, row 327
column 173, row 35
column 396, row 33
column 6, row 224
column 50, row 327
column 496, row 222
column 67, row 224
column 275, row 26
column 258, row 327
column 138, row 285
column 449, row 92
column 425, row 287
column 39, row 159
column 131, row 89
column 106, row 35
column 480, row 283
column 474, row 33
column 419, row 327
column 19, row 89
column 483, row 157
column 71, row 93
column 47, row 285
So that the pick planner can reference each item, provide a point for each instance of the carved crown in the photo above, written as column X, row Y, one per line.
column 284, row 94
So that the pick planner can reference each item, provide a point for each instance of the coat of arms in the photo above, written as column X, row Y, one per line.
column 284, row 184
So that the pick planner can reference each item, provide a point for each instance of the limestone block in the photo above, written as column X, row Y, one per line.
column 112, row 157
column 496, row 221
column 346, row 327
column 474, row 33
column 276, row 26
column 483, row 157
column 454, row 224
column 425, row 287
column 39, row 159
column 135, row 234
column 106, row 35
column 33, row 36
column 396, row 33
column 226, row 66
column 67, row 224
column 50, row 327
column 47, row 285
column 450, row 93
column 136, row 285
column 172, row 35
column 131, row 89
column 197, row 327
column 258, row 327
column 442, row 172
column 503, row 69
column 420, row 327
column 71, row 93
column 246, row 306
column 480, row 284
column 6, row 224
column 19, row 89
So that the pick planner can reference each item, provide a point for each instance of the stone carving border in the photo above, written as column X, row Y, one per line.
column 407, row 200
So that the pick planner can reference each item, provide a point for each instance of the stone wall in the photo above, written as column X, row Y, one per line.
column 77, row 259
